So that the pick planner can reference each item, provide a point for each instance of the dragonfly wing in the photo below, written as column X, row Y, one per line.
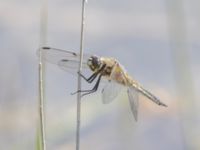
column 112, row 88
column 71, row 65
column 66, row 60
column 110, row 91
column 133, row 100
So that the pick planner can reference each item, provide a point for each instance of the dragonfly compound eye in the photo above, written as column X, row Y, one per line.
column 94, row 62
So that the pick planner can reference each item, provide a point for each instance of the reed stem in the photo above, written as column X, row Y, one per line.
column 79, row 77
column 41, row 70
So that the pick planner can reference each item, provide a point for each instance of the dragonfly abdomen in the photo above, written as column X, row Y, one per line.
column 150, row 96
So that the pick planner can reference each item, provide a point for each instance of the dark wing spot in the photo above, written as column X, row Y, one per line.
column 65, row 60
column 46, row 48
column 74, row 54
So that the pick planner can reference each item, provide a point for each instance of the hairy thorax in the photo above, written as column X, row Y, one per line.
column 115, row 71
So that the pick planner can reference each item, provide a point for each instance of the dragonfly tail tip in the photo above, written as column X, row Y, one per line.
column 162, row 104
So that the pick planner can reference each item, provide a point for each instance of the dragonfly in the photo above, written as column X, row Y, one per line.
column 106, row 68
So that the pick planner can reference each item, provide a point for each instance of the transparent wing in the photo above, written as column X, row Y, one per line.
column 112, row 88
column 66, row 60
column 71, row 65
column 110, row 91
column 133, row 97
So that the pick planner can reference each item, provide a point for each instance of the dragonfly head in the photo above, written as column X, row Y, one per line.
column 94, row 63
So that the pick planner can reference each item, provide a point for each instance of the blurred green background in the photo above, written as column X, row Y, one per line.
column 156, row 40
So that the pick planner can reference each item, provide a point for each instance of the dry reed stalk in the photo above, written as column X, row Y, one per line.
column 79, row 77
column 41, row 69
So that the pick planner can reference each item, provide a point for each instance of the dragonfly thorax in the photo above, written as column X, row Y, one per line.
column 94, row 63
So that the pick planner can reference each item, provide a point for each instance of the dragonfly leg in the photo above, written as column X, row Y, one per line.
column 94, row 89
column 90, row 79
column 93, row 76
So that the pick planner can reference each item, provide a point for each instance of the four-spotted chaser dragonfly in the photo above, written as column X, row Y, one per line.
column 108, row 68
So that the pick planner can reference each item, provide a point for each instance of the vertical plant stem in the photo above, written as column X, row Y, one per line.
column 79, row 77
column 41, row 135
column 41, row 67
